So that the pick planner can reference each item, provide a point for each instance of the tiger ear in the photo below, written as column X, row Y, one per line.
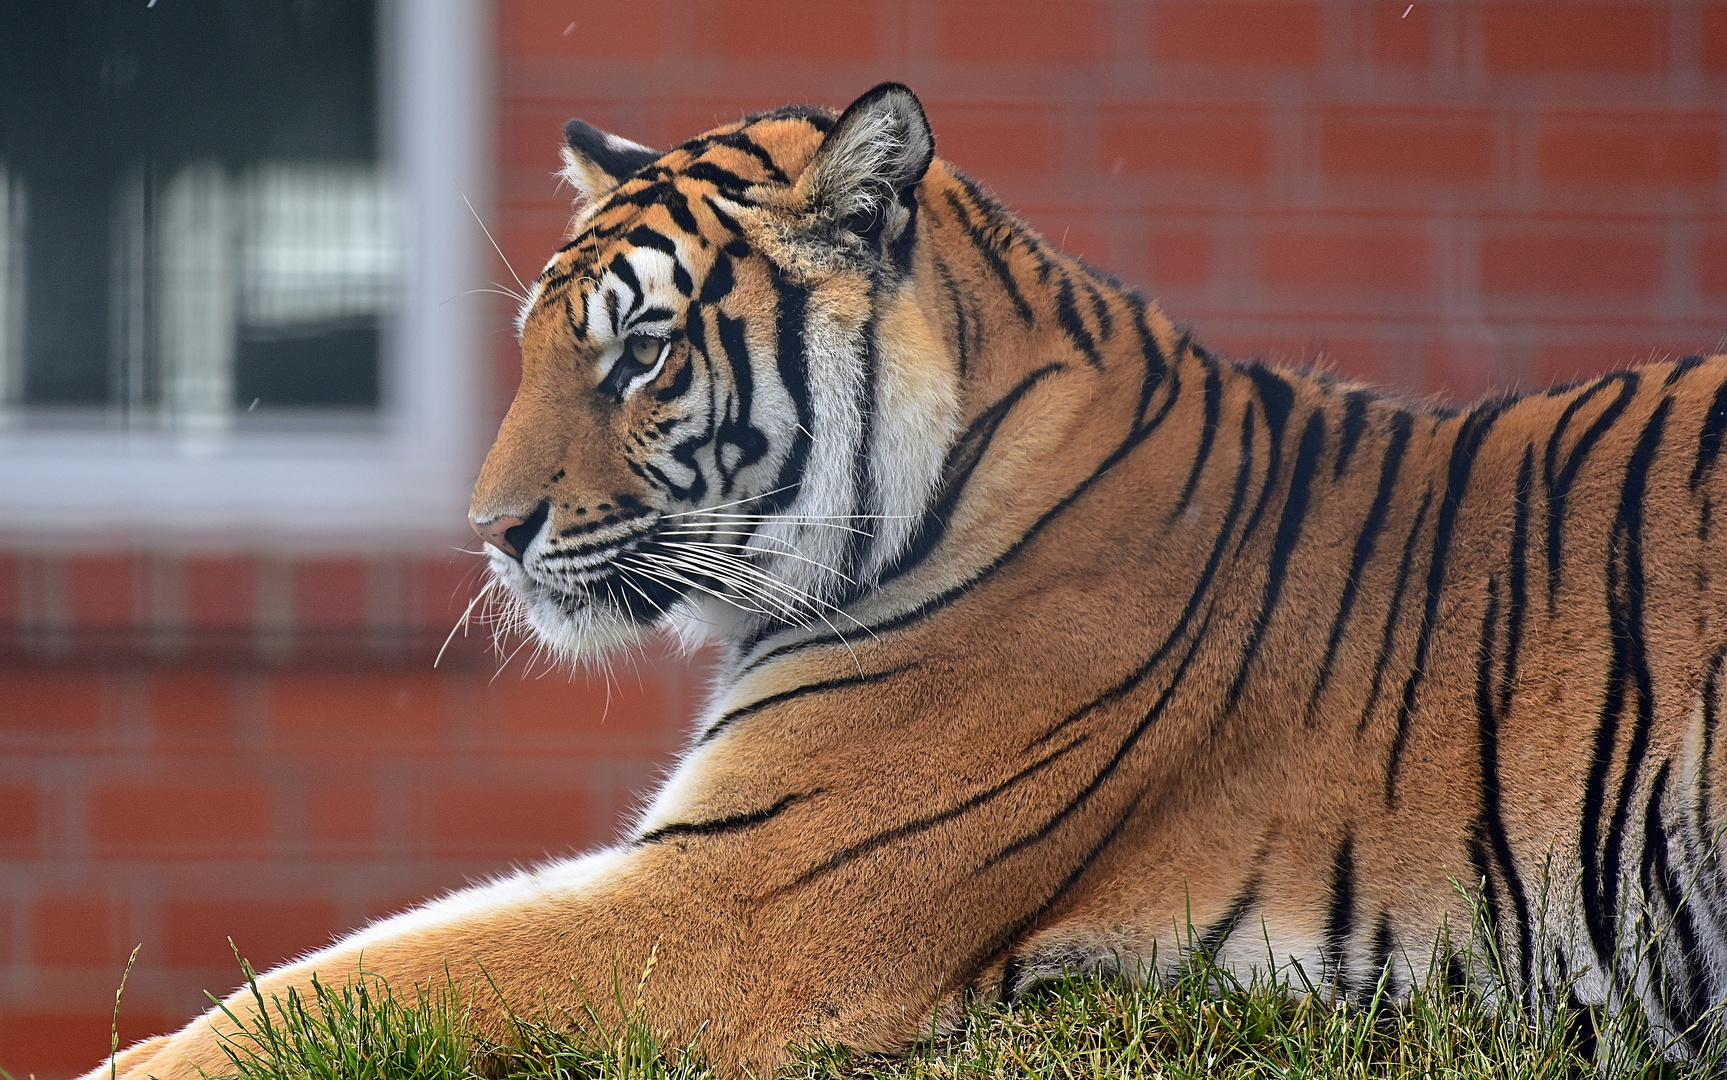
column 595, row 162
column 864, row 171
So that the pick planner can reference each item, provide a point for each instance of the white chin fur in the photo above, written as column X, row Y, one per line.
column 588, row 634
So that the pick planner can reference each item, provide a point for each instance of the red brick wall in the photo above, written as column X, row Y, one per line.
column 1438, row 196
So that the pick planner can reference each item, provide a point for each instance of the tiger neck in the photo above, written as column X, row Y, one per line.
column 1007, row 372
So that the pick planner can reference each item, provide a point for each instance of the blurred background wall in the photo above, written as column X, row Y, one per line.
column 246, row 381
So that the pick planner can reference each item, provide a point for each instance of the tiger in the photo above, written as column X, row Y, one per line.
column 1049, row 642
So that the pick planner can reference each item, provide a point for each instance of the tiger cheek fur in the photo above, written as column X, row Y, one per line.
column 1051, row 642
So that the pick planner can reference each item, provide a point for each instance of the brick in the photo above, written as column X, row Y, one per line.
column 195, row 933
column 1647, row 150
column 1263, row 33
column 60, row 701
column 221, row 593
column 102, row 591
column 1179, row 257
column 583, row 705
column 1367, row 261
column 180, row 815
column 1714, row 27
column 1050, row 31
column 996, row 142
column 1574, row 35
column 1403, row 34
column 59, row 1044
column 797, row 29
column 20, row 815
column 1712, row 264
column 575, row 28
column 330, row 592
column 188, row 703
column 511, row 820
column 1580, row 265
column 341, row 814
column 1557, row 363
column 1403, row 146
column 72, row 931
column 530, row 138
column 442, row 588
column 381, row 702
column 528, row 249
column 11, row 590
column 1223, row 143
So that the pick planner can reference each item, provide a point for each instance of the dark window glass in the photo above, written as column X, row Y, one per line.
column 193, row 218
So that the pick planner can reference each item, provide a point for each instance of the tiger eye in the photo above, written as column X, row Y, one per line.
column 645, row 350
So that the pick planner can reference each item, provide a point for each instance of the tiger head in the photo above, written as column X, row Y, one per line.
column 732, row 409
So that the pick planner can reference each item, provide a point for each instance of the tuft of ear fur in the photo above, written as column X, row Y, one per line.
column 866, row 167
column 596, row 162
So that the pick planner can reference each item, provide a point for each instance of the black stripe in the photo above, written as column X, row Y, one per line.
column 957, row 303
column 721, row 825
column 1365, row 544
column 992, row 258
column 924, row 824
column 1289, row 528
column 861, row 541
column 678, row 206
column 736, row 428
column 1711, row 721
column 620, row 267
column 1354, row 423
column 1207, row 435
column 1517, row 606
column 1519, row 579
column 1487, row 719
column 1393, row 614
column 1005, row 938
column 1491, row 918
column 743, row 712
column 1211, row 939
column 1278, row 398
column 1340, row 915
column 1463, row 451
column 1099, row 310
column 1683, row 367
column 719, row 280
column 737, row 140
column 1629, row 664
column 727, row 222
column 1709, row 439
column 1243, row 472
column 1156, row 368
column 794, row 377
column 963, row 459
column 1659, row 877
column 1067, row 314
column 729, row 183
column 1380, row 965
column 1559, row 480
column 1050, row 824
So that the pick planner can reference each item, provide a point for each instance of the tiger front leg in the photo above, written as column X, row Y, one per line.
column 556, row 941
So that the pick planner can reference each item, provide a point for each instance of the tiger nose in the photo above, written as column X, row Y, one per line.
column 496, row 532
column 510, row 534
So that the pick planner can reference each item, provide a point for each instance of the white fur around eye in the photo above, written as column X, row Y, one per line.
column 651, row 373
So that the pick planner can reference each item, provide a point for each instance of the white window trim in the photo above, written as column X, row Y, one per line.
column 402, row 483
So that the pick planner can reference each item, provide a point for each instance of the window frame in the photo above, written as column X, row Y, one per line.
column 400, row 479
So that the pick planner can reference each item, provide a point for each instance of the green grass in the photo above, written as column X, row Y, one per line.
column 1202, row 1024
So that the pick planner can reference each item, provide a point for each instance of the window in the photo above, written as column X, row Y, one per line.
column 233, row 252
